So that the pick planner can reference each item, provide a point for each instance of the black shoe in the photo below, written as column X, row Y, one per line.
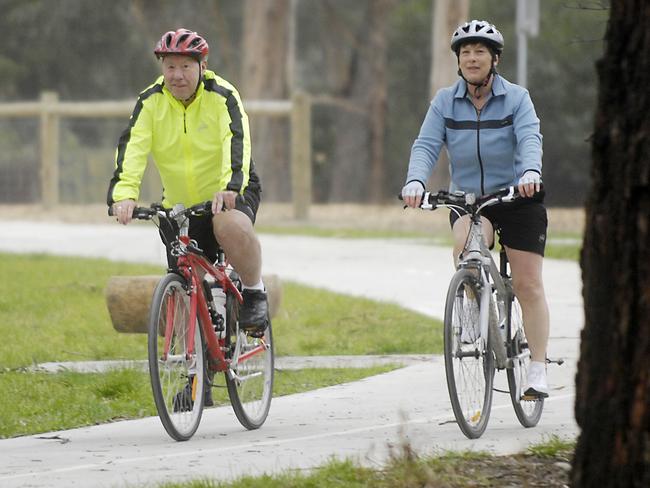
column 183, row 399
column 253, row 315
column 207, row 396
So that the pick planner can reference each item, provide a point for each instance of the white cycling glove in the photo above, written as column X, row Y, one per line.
column 412, row 189
column 530, row 177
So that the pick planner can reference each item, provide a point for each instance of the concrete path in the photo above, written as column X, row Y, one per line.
column 282, row 363
column 360, row 420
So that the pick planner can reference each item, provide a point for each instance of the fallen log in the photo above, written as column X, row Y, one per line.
column 128, row 299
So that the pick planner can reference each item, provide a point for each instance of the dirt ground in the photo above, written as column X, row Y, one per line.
column 521, row 471
column 333, row 216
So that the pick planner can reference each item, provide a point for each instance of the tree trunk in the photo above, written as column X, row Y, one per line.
column 447, row 16
column 613, row 381
column 358, row 161
column 264, row 76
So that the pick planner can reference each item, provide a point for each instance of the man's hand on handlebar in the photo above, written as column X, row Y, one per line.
column 123, row 210
column 223, row 200
column 412, row 193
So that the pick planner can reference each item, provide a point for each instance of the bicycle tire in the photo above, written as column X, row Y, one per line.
column 469, row 367
column 177, row 382
column 528, row 411
column 251, row 391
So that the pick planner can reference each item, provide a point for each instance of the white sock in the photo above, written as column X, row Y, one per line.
column 537, row 365
column 257, row 286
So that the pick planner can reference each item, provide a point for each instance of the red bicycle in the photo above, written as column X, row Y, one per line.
column 194, row 333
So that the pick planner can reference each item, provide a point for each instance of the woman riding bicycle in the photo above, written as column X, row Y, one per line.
column 491, row 132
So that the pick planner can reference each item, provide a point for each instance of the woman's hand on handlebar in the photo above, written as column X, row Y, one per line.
column 529, row 183
column 123, row 210
column 412, row 193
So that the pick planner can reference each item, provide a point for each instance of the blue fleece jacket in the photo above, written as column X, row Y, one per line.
column 488, row 150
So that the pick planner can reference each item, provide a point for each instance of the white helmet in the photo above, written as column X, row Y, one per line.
column 477, row 31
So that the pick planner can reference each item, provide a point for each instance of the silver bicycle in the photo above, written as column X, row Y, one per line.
column 483, row 328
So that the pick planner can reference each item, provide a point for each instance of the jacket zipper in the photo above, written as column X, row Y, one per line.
column 478, row 148
column 184, row 124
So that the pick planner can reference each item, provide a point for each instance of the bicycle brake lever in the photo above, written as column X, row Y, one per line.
column 426, row 203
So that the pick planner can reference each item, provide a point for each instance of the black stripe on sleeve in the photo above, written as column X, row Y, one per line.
column 237, row 130
column 124, row 140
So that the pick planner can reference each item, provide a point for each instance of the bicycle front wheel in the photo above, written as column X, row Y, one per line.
column 250, row 376
column 177, row 370
column 527, row 410
column 469, row 364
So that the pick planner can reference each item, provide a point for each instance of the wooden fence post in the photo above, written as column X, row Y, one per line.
column 301, row 155
column 49, row 138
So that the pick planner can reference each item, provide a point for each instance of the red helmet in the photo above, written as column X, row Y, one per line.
column 184, row 42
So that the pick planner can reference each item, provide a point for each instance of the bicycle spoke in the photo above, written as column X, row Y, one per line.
column 176, row 379
column 250, row 375
column 527, row 410
column 469, row 369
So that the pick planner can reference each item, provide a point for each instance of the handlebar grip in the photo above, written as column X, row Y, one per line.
column 142, row 213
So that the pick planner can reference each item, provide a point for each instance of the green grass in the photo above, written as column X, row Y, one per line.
column 569, row 252
column 53, row 309
column 407, row 469
column 314, row 322
column 554, row 447
column 65, row 400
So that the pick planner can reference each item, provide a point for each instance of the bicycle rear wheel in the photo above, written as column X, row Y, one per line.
column 528, row 410
column 250, row 376
column 177, row 378
column 469, row 364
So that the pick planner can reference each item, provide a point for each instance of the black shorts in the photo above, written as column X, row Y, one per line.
column 520, row 224
column 200, row 228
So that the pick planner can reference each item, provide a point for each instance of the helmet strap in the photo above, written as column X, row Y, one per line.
column 480, row 84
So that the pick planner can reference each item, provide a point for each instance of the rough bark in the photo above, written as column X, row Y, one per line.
column 613, row 380
column 359, row 162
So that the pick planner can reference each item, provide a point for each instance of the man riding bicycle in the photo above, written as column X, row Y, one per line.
column 491, row 132
column 194, row 124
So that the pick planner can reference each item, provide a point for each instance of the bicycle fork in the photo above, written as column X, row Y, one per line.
column 491, row 336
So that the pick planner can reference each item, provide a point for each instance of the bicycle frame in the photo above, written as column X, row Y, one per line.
column 193, row 267
column 477, row 256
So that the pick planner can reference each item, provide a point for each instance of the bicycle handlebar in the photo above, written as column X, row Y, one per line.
column 467, row 201
column 146, row 213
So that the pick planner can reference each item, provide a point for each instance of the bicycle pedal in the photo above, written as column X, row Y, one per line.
column 533, row 398
column 529, row 398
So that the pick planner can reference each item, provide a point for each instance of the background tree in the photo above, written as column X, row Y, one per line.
column 613, row 381
column 353, row 37
column 447, row 16
column 264, row 76
column 375, row 55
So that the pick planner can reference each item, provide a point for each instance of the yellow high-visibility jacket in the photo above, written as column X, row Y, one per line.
column 198, row 150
